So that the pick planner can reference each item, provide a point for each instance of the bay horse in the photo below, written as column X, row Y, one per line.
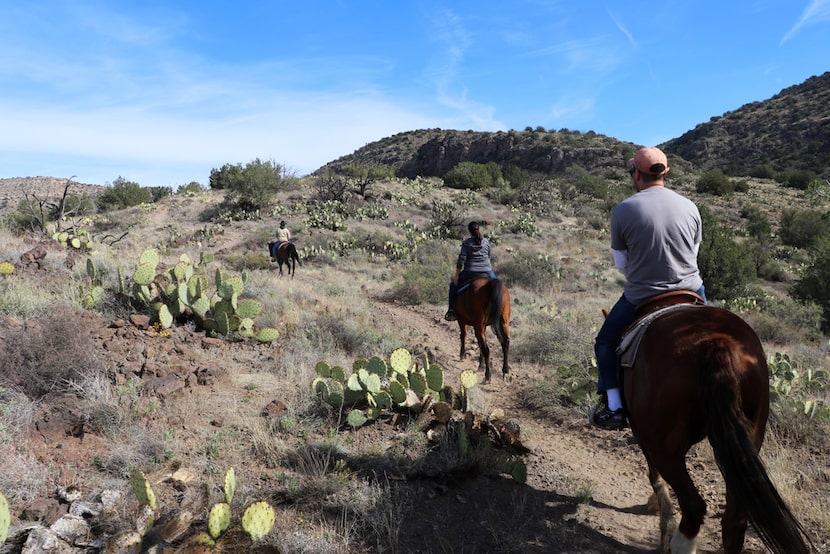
column 701, row 371
column 286, row 254
column 485, row 302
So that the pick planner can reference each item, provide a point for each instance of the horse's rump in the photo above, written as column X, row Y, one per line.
column 701, row 372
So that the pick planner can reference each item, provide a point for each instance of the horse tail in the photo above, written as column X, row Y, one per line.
column 294, row 255
column 739, row 462
column 496, row 305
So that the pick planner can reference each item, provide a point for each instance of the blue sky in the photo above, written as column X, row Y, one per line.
column 161, row 92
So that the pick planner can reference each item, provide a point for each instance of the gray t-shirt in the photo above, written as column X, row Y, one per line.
column 660, row 231
column 474, row 257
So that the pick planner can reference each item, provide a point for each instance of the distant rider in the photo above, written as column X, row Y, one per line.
column 473, row 258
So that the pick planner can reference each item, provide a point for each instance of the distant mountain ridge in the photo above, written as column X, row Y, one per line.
column 791, row 130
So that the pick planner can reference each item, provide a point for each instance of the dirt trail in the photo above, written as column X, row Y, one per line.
column 570, row 459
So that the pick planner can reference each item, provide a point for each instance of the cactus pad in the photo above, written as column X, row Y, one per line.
column 149, row 256
column 397, row 392
column 417, row 383
column 400, row 360
column 142, row 490
column 6, row 268
column 377, row 366
column 435, row 377
column 230, row 485
column 266, row 334
column 356, row 418
column 165, row 317
column 5, row 518
column 323, row 369
column 248, row 308
column 338, row 374
column 219, row 519
column 469, row 379
column 258, row 520
column 372, row 383
column 383, row 400
column 144, row 274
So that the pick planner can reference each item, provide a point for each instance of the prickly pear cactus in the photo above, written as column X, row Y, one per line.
column 144, row 274
column 469, row 379
column 356, row 418
column 266, row 334
column 5, row 518
column 323, row 369
column 377, row 366
column 248, row 308
column 6, row 268
column 142, row 490
column 230, row 485
column 149, row 256
column 400, row 360
column 434, row 377
column 219, row 519
column 397, row 392
column 165, row 317
column 258, row 520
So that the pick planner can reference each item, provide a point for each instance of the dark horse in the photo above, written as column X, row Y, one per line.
column 701, row 371
column 286, row 254
column 485, row 302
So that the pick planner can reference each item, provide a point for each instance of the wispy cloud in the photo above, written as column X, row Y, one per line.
column 623, row 29
column 817, row 11
column 453, row 40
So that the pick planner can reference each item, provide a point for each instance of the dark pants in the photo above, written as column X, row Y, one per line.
column 608, row 339
column 454, row 289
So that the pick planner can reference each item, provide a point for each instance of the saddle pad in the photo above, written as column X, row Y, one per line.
column 630, row 343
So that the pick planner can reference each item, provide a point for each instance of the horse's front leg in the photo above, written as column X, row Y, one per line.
column 463, row 353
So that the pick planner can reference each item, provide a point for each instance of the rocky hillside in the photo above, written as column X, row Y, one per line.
column 791, row 130
column 433, row 152
column 13, row 190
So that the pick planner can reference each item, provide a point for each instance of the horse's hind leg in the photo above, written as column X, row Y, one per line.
column 733, row 526
column 484, row 354
column 660, row 503
column 504, row 339
column 692, row 505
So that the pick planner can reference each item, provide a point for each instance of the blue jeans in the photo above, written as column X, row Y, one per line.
column 608, row 339
column 454, row 289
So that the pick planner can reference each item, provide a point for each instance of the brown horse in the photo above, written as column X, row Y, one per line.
column 286, row 254
column 701, row 371
column 485, row 302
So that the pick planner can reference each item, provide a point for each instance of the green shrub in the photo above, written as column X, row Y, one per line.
column 123, row 194
column 715, row 182
column 803, row 228
column 725, row 264
column 798, row 178
column 814, row 284
column 473, row 176
column 764, row 171
column 249, row 189
column 585, row 183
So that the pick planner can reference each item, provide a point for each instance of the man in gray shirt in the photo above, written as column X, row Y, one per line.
column 655, row 237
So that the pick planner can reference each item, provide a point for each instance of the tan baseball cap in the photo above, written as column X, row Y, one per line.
column 649, row 160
